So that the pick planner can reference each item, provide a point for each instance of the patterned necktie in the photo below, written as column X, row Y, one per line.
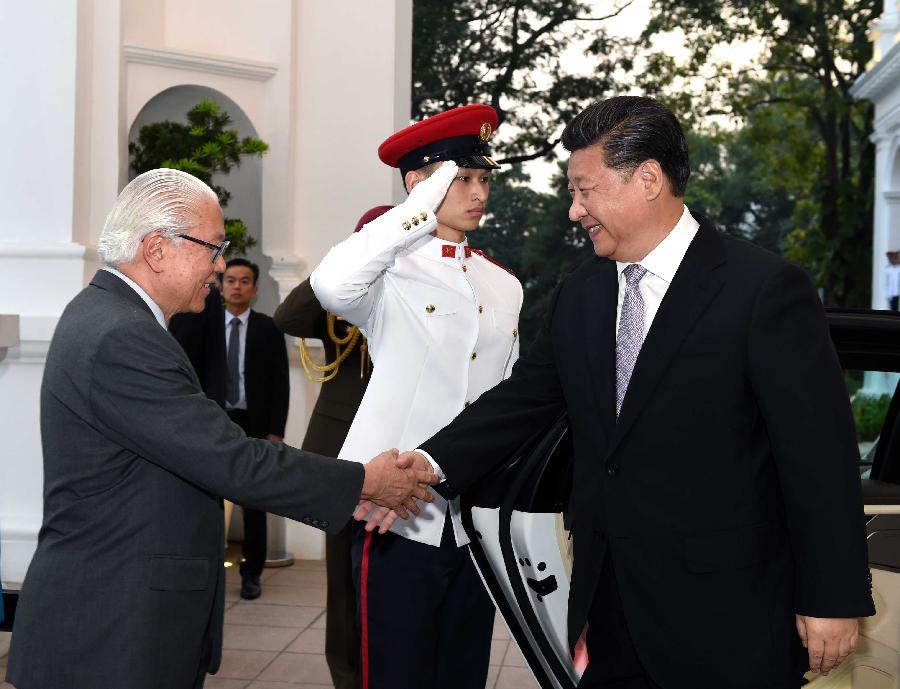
column 631, row 331
column 233, row 392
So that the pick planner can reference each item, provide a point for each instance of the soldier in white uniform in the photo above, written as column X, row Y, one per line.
column 441, row 321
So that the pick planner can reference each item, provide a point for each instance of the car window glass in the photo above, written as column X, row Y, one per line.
column 870, row 397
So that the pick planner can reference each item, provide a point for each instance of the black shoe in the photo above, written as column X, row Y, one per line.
column 250, row 587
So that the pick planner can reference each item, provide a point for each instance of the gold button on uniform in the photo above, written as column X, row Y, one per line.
column 429, row 308
column 406, row 225
column 474, row 355
column 464, row 268
column 480, row 309
column 515, row 333
column 423, row 215
column 466, row 403
column 415, row 220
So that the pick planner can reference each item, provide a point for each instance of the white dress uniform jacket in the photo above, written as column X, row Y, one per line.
column 441, row 330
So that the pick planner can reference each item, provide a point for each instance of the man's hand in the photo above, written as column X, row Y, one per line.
column 382, row 518
column 272, row 436
column 430, row 193
column 828, row 641
column 396, row 484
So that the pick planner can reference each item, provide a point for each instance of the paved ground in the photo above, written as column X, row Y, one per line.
column 278, row 641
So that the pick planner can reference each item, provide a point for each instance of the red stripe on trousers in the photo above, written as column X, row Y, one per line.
column 364, row 605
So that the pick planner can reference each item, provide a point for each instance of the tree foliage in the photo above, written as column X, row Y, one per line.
column 509, row 54
column 807, row 136
column 203, row 147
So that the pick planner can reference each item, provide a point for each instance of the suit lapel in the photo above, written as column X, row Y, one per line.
column 696, row 283
column 599, row 299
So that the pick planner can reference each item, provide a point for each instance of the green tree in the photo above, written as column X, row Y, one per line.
column 808, row 135
column 206, row 145
column 508, row 54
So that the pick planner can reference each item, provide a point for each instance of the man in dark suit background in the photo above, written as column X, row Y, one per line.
column 126, row 587
column 343, row 385
column 257, row 393
column 202, row 336
column 717, row 517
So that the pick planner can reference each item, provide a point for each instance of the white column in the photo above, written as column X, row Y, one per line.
column 881, row 222
column 885, row 29
column 59, row 67
column 38, row 260
column 350, row 75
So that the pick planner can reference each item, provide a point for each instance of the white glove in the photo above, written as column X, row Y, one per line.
column 430, row 193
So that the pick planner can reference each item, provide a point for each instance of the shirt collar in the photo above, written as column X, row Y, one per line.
column 242, row 317
column 154, row 307
column 442, row 250
column 664, row 260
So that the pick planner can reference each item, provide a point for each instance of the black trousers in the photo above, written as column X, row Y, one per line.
column 895, row 303
column 253, row 550
column 425, row 618
column 613, row 662
column 612, row 658
column 341, row 635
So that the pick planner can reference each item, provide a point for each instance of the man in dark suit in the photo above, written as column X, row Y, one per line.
column 257, row 393
column 202, row 336
column 126, row 587
column 344, row 380
column 717, row 517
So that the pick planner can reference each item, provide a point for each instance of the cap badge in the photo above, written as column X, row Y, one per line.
column 485, row 133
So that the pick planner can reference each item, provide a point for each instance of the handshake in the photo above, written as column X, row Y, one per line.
column 392, row 484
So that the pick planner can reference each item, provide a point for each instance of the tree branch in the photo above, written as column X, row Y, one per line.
column 525, row 157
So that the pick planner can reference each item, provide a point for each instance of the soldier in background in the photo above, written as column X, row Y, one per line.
column 344, row 379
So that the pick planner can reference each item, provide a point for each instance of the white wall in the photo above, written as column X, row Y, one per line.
column 322, row 83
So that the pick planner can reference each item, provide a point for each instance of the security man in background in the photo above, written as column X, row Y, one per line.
column 441, row 322
column 256, row 395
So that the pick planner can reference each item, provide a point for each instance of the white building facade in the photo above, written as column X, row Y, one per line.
column 881, row 85
column 322, row 83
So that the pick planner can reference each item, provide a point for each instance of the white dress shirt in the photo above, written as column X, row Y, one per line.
column 244, row 318
column 154, row 307
column 891, row 282
column 661, row 264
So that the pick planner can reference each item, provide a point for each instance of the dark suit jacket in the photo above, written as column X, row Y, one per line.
column 126, row 587
column 266, row 381
column 727, row 494
column 202, row 336
column 301, row 315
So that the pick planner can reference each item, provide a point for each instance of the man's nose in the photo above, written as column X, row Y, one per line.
column 220, row 264
column 576, row 211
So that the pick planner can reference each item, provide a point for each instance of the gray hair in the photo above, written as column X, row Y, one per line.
column 164, row 199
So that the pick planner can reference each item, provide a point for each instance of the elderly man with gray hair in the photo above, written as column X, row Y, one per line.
column 126, row 588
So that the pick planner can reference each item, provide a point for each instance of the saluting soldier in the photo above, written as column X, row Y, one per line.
column 441, row 321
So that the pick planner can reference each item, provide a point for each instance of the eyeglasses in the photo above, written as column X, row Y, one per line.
column 218, row 249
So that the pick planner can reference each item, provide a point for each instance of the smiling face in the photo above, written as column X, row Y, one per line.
column 610, row 205
column 189, row 271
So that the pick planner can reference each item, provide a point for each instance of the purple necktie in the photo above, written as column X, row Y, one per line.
column 631, row 331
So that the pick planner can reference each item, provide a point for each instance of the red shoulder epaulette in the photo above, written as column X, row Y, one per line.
column 495, row 262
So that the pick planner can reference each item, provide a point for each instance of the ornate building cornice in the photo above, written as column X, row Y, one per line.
column 240, row 68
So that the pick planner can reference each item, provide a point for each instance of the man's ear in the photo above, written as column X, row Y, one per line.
column 651, row 179
column 154, row 250
column 411, row 179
